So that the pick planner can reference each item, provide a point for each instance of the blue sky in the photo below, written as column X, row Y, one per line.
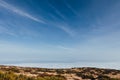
column 59, row 30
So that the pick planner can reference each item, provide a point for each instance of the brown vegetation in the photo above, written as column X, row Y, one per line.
column 27, row 73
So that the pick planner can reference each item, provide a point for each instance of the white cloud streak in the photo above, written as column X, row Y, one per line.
column 67, row 30
column 64, row 27
column 57, row 11
column 24, row 14
column 6, row 31
column 70, row 7
column 18, row 11
column 23, row 32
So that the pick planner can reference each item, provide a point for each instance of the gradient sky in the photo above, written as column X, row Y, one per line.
column 59, row 30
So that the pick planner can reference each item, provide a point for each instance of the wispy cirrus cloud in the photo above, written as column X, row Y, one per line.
column 18, row 11
column 57, row 11
column 64, row 27
column 6, row 31
column 71, row 8
column 67, row 30
column 27, row 15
